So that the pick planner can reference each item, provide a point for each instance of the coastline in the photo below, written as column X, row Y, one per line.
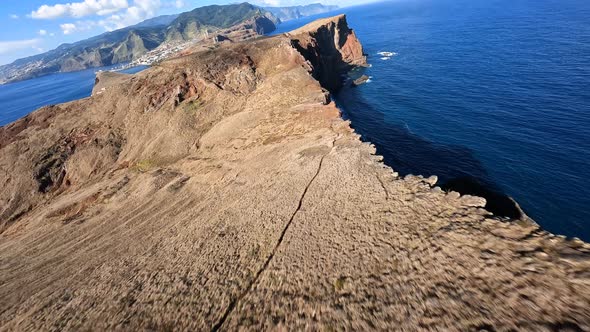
column 197, row 184
column 21, row 98
column 511, row 213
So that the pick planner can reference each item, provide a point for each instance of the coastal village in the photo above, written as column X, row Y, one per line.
column 164, row 51
column 171, row 49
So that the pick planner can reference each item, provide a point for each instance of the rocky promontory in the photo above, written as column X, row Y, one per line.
column 222, row 190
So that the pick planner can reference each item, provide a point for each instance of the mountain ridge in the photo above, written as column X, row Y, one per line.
column 294, row 12
column 127, row 44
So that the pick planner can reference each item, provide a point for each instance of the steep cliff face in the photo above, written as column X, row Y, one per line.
column 261, row 24
column 332, row 49
column 222, row 190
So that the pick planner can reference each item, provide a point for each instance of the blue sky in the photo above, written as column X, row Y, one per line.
column 29, row 27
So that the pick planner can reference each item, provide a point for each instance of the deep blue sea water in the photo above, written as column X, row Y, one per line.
column 21, row 98
column 492, row 90
column 496, row 90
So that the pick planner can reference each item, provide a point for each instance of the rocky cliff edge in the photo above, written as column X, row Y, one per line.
column 222, row 190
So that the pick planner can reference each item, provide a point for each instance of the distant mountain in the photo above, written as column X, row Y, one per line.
column 294, row 12
column 129, row 43
column 156, row 21
column 188, row 24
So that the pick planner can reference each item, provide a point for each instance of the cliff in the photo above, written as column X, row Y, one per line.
column 222, row 190
column 331, row 48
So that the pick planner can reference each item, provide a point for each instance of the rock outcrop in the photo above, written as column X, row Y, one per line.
column 360, row 80
column 222, row 190
column 331, row 48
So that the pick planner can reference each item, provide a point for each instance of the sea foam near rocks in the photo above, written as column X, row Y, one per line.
column 387, row 54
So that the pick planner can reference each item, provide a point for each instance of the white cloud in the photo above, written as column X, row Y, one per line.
column 179, row 4
column 80, row 9
column 68, row 28
column 7, row 47
column 49, row 12
column 51, row 34
column 42, row 32
column 13, row 16
column 141, row 10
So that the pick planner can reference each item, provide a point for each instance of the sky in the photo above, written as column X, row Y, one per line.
column 29, row 27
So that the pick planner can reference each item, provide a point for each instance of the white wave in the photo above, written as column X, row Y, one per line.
column 387, row 54
column 385, row 58
column 408, row 127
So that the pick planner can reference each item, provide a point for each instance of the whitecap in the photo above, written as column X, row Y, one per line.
column 387, row 54
column 408, row 127
column 385, row 58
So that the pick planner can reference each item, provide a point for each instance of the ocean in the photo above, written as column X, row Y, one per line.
column 493, row 91
column 488, row 92
column 21, row 98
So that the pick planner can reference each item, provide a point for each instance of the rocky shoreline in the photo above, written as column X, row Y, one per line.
column 222, row 190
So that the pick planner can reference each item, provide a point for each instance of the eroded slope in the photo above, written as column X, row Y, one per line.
column 222, row 190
